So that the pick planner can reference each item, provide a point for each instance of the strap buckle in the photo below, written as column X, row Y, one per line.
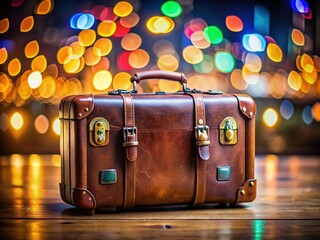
column 130, row 137
column 202, row 135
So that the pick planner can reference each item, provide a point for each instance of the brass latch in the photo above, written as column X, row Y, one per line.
column 228, row 131
column 99, row 131
column 202, row 134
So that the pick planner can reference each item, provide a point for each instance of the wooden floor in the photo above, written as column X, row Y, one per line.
column 287, row 207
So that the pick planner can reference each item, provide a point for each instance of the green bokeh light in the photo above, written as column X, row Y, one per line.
column 171, row 9
column 224, row 62
column 213, row 34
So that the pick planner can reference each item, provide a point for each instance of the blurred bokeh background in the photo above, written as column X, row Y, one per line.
column 267, row 49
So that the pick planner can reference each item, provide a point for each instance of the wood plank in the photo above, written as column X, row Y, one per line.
column 159, row 229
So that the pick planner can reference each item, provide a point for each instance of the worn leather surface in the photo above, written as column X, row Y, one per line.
column 166, row 163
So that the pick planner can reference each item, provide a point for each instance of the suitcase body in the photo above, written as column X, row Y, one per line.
column 126, row 149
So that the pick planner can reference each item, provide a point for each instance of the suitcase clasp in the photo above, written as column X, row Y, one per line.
column 99, row 131
column 228, row 131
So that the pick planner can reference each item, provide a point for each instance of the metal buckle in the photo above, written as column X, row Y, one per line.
column 202, row 135
column 129, row 131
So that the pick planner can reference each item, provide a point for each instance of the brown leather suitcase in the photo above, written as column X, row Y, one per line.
column 125, row 149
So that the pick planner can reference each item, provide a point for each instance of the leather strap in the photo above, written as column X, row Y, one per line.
column 202, row 143
column 130, row 143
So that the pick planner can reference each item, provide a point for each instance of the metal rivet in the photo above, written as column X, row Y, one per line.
column 200, row 121
column 242, row 192
column 244, row 109
column 251, row 114
column 84, row 192
column 80, row 114
column 86, row 109
column 251, row 184
column 90, row 198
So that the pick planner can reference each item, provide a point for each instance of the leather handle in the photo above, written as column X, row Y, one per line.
column 174, row 76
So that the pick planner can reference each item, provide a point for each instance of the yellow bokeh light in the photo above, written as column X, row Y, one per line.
column 73, row 86
column 47, row 87
column 92, row 56
column 297, row 37
column 122, row 9
column 104, row 45
column 5, row 82
column 34, row 79
column 294, row 80
column 31, row 49
column 72, row 66
column 131, row 41
column 274, row 52
column 64, row 54
column 77, row 50
column 160, row 24
column 44, row 7
column 192, row 54
column 169, row 86
column 168, row 62
column 237, row 80
column 41, row 124
column 27, row 24
column 14, row 67
column 3, row 55
column 39, row 63
column 16, row 121
column 270, row 117
column 106, row 28
column 87, row 37
column 56, row 126
column 250, row 77
column 24, row 90
column 122, row 81
column 102, row 80
column 138, row 58
column 307, row 63
column 4, row 25
column 310, row 77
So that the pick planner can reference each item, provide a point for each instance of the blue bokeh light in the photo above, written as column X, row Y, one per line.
column 286, row 109
column 307, row 115
column 254, row 42
column 82, row 21
column 300, row 6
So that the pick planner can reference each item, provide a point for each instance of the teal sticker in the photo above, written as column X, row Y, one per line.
column 108, row 176
column 223, row 173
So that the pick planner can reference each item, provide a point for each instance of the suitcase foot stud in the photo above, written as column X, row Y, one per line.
column 242, row 192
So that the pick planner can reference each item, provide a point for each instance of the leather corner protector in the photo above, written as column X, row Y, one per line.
column 247, row 192
column 246, row 105
column 82, row 106
column 86, row 106
column 83, row 199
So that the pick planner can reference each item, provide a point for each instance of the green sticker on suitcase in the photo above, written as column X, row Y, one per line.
column 223, row 173
column 108, row 176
